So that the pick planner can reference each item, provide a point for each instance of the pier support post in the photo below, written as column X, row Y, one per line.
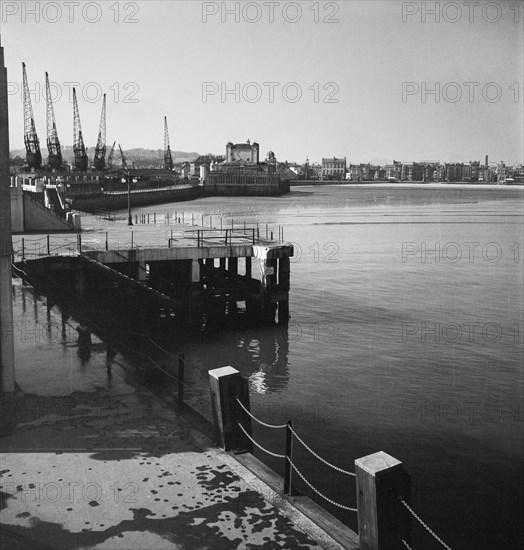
column 195, row 271
column 223, row 264
column 248, row 267
column 382, row 520
column 80, row 283
column 232, row 267
column 226, row 386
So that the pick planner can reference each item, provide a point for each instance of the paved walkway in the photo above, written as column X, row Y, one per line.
column 107, row 470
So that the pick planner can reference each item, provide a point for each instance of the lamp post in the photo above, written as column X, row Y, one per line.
column 127, row 179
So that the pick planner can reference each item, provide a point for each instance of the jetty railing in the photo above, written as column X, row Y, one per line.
column 382, row 484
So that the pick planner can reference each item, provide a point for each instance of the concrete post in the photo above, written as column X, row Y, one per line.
column 382, row 520
column 232, row 267
column 195, row 271
column 7, row 356
column 284, row 269
column 226, row 386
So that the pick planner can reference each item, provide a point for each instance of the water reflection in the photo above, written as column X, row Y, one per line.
column 260, row 354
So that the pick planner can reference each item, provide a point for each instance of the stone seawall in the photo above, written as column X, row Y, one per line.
column 118, row 201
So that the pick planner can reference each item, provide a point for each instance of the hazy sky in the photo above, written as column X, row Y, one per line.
column 347, row 78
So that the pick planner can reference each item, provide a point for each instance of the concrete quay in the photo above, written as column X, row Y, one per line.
column 120, row 469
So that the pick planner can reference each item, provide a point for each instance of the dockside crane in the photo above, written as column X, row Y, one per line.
column 33, row 156
column 79, row 149
column 53, row 143
column 110, row 156
column 124, row 160
column 168, row 159
column 100, row 150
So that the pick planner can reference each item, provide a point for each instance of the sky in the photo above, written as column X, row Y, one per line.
column 369, row 80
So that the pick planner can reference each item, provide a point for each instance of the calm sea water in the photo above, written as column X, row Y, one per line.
column 418, row 354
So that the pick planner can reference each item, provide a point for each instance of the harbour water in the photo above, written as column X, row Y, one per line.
column 406, row 336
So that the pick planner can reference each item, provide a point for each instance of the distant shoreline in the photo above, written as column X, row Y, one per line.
column 412, row 184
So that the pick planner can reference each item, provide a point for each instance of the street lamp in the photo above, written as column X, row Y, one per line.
column 128, row 180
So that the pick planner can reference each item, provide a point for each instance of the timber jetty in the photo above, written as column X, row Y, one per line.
column 163, row 282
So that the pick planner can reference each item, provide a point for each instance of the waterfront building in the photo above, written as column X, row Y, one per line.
column 394, row 170
column 242, row 169
column 518, row 173
column 454, row 171
column 354, row 172
column 334, row 168
column 501, row 171
column 475, row 170
column 412, row 171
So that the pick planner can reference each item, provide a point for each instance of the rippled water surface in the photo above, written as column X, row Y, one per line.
column 418, row 355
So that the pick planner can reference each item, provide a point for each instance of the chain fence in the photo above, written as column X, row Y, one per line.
column 319, row 457
column 338, row 505
column 430, row 531
column 279, row 426
column 276, row 455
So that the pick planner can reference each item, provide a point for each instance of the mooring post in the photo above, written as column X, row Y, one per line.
column 180, row 381
column 288, row 469
column 48, row 246
column 132, row 240
column 23, row 249
column 80, row 243
column 107, row 245
column 382, row 520
column 226, row 386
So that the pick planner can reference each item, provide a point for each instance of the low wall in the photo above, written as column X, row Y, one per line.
column 271, row 190
column 30, row 215
column 118, row 201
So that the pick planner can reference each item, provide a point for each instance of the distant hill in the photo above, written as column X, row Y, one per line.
column 149, row 157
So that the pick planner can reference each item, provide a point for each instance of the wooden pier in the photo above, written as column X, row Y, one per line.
column 160, row 281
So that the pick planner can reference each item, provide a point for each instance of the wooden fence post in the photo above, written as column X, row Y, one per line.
column 226, row 386
column 382, row 519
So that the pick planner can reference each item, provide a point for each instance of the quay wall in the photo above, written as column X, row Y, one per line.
column 247, row 190
column 31, row 215
column 117, row 201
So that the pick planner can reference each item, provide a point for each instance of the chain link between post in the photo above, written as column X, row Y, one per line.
column 423, row 524
column 319, row 493
column 260, row 421
column 276, row 455
column 319, row 457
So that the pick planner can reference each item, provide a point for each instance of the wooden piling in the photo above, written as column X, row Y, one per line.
column 382, row 520
column 226, row 386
